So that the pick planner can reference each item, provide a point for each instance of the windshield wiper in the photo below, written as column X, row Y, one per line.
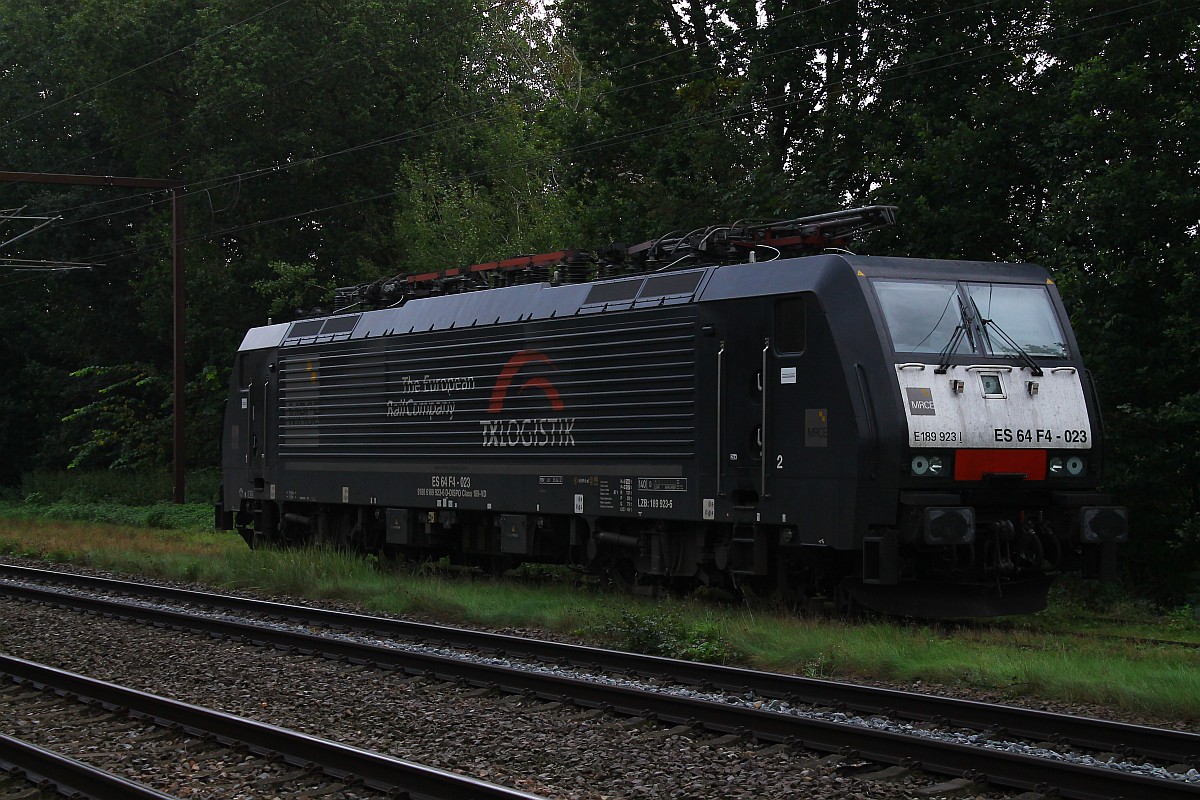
column 961, row 329
column 984, row 323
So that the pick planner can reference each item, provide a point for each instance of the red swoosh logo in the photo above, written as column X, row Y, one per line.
column 509, row 373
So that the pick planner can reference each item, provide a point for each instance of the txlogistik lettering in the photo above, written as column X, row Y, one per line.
column 540, row 432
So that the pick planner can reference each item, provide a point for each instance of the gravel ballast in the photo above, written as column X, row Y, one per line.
column 543, row 748
column 535, row 746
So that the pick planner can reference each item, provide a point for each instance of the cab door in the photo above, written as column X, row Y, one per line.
column 809, row 447
column 254, row 405
column 740, row 409
column 244, row 443
column 792, row 420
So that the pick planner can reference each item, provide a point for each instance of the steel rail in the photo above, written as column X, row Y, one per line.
column 1021, row 771
column 1092, row 734
column 337, row 760
column 70, row 777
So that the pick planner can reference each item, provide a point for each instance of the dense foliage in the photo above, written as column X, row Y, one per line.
column 327, row 143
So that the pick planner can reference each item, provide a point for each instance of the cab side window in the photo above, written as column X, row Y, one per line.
column 789, row 325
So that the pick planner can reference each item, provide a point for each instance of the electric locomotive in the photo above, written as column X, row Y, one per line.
column 714, row 408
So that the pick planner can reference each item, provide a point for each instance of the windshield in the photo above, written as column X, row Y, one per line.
column 921, row 315
column 1023, row 313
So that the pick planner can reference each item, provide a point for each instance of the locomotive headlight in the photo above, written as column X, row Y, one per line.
column 1066, row 466
column 928, row 466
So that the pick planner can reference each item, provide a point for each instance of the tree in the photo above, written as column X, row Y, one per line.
column 1122, row 230
column 658, row 145
column 289, row 125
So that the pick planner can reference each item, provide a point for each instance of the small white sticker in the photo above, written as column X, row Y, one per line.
column 710, row 508
column 787, row 374
column 578, row 504
column 345, row 494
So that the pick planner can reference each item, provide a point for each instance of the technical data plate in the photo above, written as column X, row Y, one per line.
column 992, row 406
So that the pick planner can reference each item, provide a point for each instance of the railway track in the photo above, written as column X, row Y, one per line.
column 50, row 771
column 720, row 700
column 114, row 725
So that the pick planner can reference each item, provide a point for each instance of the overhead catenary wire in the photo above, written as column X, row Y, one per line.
column 35, row 265
column 42, row 221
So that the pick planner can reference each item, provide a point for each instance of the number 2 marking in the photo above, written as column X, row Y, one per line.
column 778, row 462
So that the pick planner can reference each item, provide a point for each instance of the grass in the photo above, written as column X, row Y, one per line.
column 161, row 515
column 152, row 551
column 1074, row 652
column 1163, row 680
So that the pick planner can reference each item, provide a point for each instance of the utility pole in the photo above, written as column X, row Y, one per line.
column 177, row 194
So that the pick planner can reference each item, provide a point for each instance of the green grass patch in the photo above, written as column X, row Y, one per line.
column 1142, row 678
column 125, row 498
column 1053, row 656
column 120, row 547
column 185, row 517
column 1086, row 607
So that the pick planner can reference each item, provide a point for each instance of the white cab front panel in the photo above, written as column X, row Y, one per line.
column 992, row 406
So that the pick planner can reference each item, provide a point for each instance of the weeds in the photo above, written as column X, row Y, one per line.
column 670, row 634
column 819, row 666
column 529, row 572
column 1185, row 619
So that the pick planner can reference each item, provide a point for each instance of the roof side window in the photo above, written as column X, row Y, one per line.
column 671, row 284
column 613, row 291
column 308, row 327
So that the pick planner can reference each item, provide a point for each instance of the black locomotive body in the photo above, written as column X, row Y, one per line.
column 918, row 437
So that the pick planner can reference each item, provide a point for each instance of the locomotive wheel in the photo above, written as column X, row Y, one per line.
column 1029, row 552
column 1052, row 549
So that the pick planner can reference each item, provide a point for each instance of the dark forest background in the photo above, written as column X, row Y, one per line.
column 330, row 143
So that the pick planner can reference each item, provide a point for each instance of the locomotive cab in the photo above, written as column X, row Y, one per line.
column 1000, row 457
